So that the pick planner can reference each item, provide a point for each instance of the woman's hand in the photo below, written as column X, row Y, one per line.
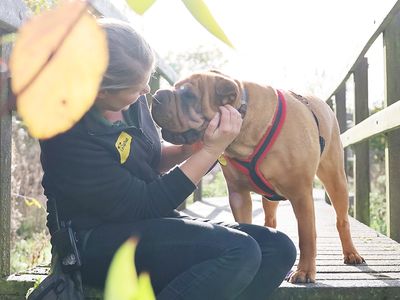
column 222, row 130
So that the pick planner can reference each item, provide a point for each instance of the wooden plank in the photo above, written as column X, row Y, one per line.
column 371, row 262
column 16, row 289
column 358, row 276
column 381, row 122
column 340, row 289
column 391, row 38
column 12, row 14
column 361, row 150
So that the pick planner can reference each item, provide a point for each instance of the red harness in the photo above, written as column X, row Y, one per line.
column 251, row 165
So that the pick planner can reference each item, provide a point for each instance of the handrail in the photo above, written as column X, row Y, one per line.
column 381, row 122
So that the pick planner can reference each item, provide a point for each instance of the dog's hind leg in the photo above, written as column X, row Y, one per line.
column 331, row 173
column 270, row 208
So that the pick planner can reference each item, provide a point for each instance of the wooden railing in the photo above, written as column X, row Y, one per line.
column 386, row 121
column 12, row 15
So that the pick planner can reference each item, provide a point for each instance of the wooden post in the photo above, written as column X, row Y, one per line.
column 361, row 150
column 341, row 114
column 391, row 40
column 12, row 13
column 340, row 100
column 5, row 178
column 197, row 194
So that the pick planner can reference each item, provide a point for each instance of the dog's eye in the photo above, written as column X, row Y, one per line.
column 187, row 95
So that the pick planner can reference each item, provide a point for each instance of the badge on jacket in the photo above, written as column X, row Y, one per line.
column 123, row 145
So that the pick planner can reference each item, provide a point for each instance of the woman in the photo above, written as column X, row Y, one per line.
column 106, row 176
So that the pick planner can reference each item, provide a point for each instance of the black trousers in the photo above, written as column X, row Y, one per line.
column 190, row 258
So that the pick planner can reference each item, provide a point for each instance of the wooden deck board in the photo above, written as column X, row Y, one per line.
column 379, row 278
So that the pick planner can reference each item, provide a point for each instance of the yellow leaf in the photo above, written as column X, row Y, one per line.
column 122, row 282
column 32, row 202
column 57, row 65
column 140, row 6
column 202, row 14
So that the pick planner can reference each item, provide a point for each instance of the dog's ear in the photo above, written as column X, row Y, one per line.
column 226, row 90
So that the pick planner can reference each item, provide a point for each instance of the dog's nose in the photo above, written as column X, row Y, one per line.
column 162, row 96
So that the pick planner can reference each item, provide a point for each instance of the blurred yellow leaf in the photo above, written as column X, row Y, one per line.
column 122, row 282
column 57, row 65
column 32, row 202
column 140, row 6
column 202, row 14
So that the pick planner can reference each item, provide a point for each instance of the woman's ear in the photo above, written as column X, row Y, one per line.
column 226, row 90
column 102, row 94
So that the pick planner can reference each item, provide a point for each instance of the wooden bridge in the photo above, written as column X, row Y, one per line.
column 379, row 278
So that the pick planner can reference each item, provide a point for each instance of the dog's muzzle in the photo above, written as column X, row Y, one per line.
column 188, row 137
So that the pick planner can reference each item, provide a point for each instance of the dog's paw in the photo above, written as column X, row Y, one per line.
column 353, row 259
column 301, row 277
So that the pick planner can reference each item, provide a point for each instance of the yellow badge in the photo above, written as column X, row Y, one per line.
column 222, row 160
column 123, row 145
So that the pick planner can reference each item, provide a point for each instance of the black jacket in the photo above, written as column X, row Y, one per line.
column 100, row 172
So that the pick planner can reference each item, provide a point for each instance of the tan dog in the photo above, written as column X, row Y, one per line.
column 290, row 164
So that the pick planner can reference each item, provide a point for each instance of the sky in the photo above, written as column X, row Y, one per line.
column 284, row 43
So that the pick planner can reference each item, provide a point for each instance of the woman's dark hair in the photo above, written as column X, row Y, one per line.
column 130, row 56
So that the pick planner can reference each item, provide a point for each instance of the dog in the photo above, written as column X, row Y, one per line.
column 285, row 141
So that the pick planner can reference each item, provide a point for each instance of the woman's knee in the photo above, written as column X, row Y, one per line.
column 246, row 253
column 285, row 249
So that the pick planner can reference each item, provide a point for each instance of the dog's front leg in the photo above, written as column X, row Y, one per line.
column 304, row 210
column 241, row 205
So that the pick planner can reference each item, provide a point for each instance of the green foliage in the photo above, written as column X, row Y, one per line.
column 214, row 185
column 37, row 6
column 198, row 59
column 378, row 212
column 31, row 251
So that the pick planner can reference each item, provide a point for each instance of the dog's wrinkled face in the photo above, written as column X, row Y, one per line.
column 184, row 111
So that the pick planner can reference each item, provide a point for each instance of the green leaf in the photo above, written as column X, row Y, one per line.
column 202, row 14
column 122, row 282
column 140, row 6
column 145, row 290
